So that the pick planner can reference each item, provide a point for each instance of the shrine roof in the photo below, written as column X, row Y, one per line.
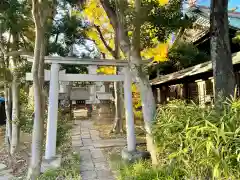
column 201, row 25
column 191, row 71
column 204, row 11
column 77, row 93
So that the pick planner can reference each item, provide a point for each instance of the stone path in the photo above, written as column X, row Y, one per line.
column 93, row 165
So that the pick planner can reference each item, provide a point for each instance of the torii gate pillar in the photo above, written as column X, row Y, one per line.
column 51, row 138
column 131, row 138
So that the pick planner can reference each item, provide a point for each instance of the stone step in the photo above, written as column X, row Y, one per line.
column 104, row 143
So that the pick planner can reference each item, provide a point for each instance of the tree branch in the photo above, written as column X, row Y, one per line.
column 103, row 40
column 137, row 26
column 123, row 37
column 35, row 13
column 14, row 53
column 19, row 53
column 2, row 49
column 116, row 41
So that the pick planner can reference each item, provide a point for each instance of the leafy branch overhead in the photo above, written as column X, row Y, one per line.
column 158, row 19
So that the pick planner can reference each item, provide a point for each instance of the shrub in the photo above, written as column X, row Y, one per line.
column 198, row 143
column 26, row 113
column 143, row 170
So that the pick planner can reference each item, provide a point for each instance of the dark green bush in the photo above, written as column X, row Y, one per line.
column 192, row 143
column 201, row 143
column 26, row 113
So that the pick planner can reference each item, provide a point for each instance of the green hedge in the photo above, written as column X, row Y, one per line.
column 199, row 143
column 192, row 143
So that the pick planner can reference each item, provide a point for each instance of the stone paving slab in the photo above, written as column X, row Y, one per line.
column 89, row 175
column 77, row 143
column 101, row 166
column 93, row 164
column 87, row 141
column 110, row 143
column 85, row 155
column 119, row 142
column 87, row 147
column 86, row 136
column 88, row 166
column 101, row 159
column 97, row 153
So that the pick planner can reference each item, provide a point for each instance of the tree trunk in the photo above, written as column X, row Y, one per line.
column 69, row 100
column 118, row 124
column 37, row 135
column 220, row 51
column 7, row 95
column 15, row 115
column 148, row 103
column 15, row 99
column 8, row 134
column 135, row 60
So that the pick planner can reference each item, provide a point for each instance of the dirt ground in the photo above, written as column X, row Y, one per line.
column 18, row 163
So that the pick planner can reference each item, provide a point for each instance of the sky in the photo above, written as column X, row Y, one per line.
column 231, row 3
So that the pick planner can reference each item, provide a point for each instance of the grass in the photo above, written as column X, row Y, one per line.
column 141, row 170
column 192, row 143
column 70, row 170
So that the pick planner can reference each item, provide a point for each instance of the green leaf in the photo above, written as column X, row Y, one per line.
column 216, row 171
column 209, row 146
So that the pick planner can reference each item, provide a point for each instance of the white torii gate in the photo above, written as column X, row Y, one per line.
column 54, row 76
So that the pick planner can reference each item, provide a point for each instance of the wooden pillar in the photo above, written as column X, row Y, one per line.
column 155, row 94
column 237, row 88
column 201, row 92
column 107, row 86
column 213, row 87
column 181, row 91
column 158, row 95
column 185, row 91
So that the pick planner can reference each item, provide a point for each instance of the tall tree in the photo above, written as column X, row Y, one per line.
column 15, row 24
column 103, row 33
column 220, row 51
column 150, row 19
column 107, row 40
column 41, row 10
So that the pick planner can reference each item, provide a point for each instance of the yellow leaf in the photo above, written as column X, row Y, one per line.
column 163, row 2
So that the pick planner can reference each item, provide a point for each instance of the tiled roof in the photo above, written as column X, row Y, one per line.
column 191, row 71
column 203, row 11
